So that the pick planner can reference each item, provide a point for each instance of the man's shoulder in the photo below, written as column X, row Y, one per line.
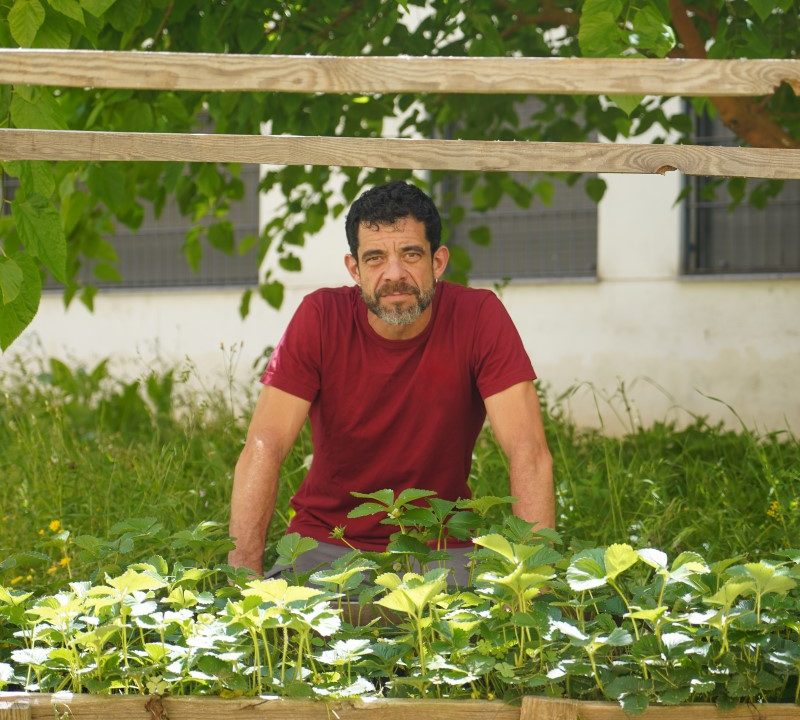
column 332, row 297
column 467, row 296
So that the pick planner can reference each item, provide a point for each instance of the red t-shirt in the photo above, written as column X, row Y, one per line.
column 391, row 413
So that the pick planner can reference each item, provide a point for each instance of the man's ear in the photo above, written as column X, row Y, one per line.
column 352, row 267
column 440, row 260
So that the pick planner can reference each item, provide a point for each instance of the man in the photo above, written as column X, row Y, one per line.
column 397, row 375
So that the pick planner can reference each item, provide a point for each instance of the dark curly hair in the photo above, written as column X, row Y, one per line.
column 386, row 204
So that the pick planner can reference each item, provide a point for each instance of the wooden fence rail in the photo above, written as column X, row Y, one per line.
column 478, row 155
column 34, row 706
column 290, row 73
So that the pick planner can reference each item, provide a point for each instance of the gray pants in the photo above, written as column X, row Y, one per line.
column 325, row 553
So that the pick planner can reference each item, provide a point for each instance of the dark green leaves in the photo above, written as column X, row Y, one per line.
column 20, row 296
column 40, row 230
column 24, row 20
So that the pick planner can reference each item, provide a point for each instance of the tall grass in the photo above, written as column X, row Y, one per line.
column 81, row 451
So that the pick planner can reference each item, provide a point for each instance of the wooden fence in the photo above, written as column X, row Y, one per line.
column 186, row 71
column 33, row 706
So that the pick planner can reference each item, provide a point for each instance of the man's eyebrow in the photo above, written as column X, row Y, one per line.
column 415, row 248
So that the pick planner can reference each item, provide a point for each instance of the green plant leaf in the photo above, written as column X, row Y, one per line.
column 410, row 494
column 36, row 177
column 498, row 544
column 37, row 108
column 97, row 7
column 292, row 545
column 596, row 188
column 618, row 558
column 69, row 8
column 626, row 103
column 368, row 508
column 24, row 20
column 272, row 292
column 39, row 227
column 17, row 314
column 10, row 279
column 481, row 235
column 587, row 571
column 385, row 496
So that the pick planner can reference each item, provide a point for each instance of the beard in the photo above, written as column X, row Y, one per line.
column 397, row 315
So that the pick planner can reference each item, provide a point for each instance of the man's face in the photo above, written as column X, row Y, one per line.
column 396, row 271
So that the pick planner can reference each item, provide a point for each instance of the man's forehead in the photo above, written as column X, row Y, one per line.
column 406, row 231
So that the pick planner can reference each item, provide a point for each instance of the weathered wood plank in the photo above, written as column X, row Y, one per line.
column 541, row 708
column 15, row 710
column 365, row 74
column 479, row 155
column 136, row 707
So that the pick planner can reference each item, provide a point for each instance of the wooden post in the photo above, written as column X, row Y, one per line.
column 544, row 708
column 15, row 710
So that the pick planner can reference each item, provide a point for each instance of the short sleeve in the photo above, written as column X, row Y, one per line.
column 498, row 355
column 294, row 366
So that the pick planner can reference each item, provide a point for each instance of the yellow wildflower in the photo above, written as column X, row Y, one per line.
column 64, row 562
column 17, row 580
column 55, row 525
column 41, row 531
column 774, row 509
column 52, row 569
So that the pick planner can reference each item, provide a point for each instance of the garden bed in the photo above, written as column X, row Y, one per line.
column 65, row 705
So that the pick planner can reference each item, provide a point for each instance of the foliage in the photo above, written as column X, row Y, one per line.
column 83, row 452
column 613, row 622
column 62, row 216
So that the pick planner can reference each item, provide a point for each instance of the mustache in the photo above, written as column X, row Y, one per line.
column 396, row 287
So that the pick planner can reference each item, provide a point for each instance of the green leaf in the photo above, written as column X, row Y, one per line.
column 407, row 545
column 763, row 8
column 618, row 558
column 634, row 704
column 498, row 544
column 97, row 7
column 596, row 188
column 220, row 235
column 272, row 292
column 70, row 8
column 368, row 508
column 653, row 33
column 291, row 263
column 16, row 315
column 626, row 103
column 385, row 496
column 107, row 272
column 599, row 35
column 192, row 249
column 10, row 279
column 244, row 303
column 481, row 235
column 410, row 494
column 39, row 227
column 37, row 177
column 24, row 21
column 292, row 546
column 586, row 571
column 36, row 108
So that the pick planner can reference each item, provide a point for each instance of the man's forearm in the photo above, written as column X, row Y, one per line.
column 255, row 489
column 531, row 480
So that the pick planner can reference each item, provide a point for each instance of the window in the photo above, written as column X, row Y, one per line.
column 745, row 239
column 542, row 241
column 151, row 256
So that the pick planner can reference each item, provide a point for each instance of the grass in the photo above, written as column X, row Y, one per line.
column 81, row 451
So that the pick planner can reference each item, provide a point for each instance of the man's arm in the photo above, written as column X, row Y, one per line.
column 516, row 420
column 277, row 419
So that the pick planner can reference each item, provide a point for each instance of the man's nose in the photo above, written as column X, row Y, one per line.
column 394, row 268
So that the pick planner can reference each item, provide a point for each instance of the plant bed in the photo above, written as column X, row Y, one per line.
column 65, row 705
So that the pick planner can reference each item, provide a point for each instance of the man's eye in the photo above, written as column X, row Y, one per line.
column 413, row 255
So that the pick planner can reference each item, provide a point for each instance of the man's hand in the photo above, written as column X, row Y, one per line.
column 277, row 419
column 516, row 420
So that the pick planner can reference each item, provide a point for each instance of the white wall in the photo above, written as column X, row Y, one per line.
column 671, row 341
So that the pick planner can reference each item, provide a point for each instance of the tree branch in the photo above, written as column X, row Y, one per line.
column 550, row 15
column 746, row 117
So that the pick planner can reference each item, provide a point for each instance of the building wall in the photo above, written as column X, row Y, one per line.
column 639, row 331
